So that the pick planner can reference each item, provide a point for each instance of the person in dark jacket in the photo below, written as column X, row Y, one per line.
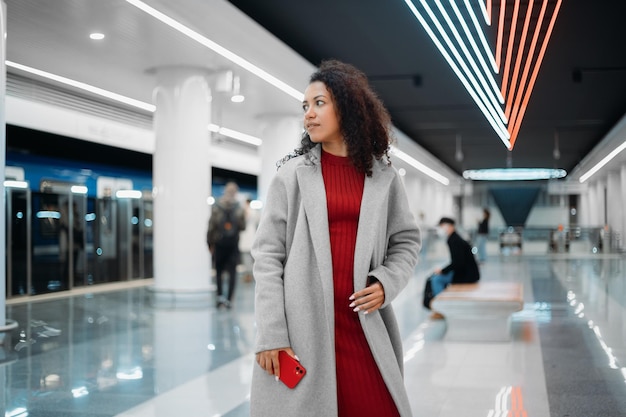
column 227, row 221
column 482, row 235
column 462, row 269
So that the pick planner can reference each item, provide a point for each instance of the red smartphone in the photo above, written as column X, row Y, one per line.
column 291, row 371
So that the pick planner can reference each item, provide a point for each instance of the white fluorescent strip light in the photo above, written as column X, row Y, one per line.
column 223, row 130
column 514, row 174
column 476, row 49
column 493, row 98
column 419, row 166
column 79, row 189
column 83, row 86
column 128, row 194
column 253, row 140
column 231, row 56
column 482, row 36
column 493, row 109
column 603, row 162
column 16, row 184
column 483, row 8
column 504, row 137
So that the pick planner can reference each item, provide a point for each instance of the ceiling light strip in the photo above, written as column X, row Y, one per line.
column 494, row 110
column 419, row 166
column 492, row 97
column 518, row 60
column 242, row 137
column 533, row 78
column 603, row 162
column 231, row 56
column 483, row 8
column 513, row 174
column 509, row 49
column 500, row 34
column 458, row 73
column 527, row 66
column 483, row 63
column 123, row 99
column 489, row 12
column 86, row 87
column 483, row 40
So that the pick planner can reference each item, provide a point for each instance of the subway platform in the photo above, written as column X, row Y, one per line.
column 110, row 353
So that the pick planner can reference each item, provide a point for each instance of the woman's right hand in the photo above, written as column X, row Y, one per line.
column 268, row 360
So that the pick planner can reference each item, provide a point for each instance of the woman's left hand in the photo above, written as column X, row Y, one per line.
column 369, row 299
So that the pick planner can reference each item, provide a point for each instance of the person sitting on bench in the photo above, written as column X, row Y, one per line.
column 462, row 269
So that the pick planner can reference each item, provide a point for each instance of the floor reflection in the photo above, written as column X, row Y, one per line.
column 101, row 354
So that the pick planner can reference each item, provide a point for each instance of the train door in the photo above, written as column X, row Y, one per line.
column 135, row 233
column 18, row 238
column 127, row 223
column 59, row 225
column 105, row 242
column 123, row 231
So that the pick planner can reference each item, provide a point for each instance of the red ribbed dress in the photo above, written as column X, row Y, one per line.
column 361, row 390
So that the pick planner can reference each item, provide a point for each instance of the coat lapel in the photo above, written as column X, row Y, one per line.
column 313, row 195
column 374, row 197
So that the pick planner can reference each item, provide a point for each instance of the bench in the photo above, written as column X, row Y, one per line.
column 480, row 311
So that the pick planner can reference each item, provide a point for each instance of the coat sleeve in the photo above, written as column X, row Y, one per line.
column 269, row 251
column 404, row 243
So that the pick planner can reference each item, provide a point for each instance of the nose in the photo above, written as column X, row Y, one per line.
column 309, row 113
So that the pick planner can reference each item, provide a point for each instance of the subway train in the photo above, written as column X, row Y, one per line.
column 72, row 224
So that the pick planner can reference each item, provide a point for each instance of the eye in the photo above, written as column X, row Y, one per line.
column 305, row 107
column 319, row 102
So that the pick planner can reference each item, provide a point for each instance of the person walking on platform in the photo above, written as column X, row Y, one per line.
column 482, row 235
column 335, row 245
column 462, row 268
column 226, row 222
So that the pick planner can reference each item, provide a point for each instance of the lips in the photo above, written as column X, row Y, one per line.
column 310, row 126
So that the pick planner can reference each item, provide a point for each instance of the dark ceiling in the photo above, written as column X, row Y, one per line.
column 579, row 95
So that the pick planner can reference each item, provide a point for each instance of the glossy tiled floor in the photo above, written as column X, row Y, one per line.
column 112, row 354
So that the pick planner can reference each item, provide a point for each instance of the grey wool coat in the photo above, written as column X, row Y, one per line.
column 294, row 284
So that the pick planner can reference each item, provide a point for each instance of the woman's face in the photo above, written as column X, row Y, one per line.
column 321, row 120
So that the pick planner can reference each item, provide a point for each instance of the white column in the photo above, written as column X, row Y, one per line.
column 181, row 180
column 281, row 134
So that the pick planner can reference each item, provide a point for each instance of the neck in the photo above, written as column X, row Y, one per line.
column 336, row 148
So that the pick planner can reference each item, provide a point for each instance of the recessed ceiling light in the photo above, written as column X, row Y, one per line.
column 237, row 98
column 96, row 36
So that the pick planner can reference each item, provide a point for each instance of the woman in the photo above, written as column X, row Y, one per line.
column 335, row 245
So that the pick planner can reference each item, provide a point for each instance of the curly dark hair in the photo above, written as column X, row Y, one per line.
column 364, row 122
